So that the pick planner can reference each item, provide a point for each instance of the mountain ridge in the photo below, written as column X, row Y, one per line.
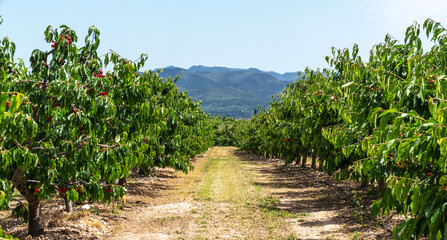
column 229, row 92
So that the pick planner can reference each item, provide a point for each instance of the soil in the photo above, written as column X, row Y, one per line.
column 230, row 194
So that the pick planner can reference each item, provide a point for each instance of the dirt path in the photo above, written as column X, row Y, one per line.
column 233, row 195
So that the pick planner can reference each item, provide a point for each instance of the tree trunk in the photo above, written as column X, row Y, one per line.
column 364, row 182
column 320, row 166
column 68, row 204
column 35, row 227
column 122, row 181
column 381, row 184
column 304, row 160
column 298, row 159
column 314, row 160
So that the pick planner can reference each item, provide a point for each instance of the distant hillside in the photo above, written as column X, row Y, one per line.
column 287, row 77
column 229, row 92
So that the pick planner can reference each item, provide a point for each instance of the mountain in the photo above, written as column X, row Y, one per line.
column 230, row 92
column 287, row 77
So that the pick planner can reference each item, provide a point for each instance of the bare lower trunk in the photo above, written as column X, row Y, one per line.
column 381, row 184
column 314, row 160
column 320, row 166
column 68, row 204
column 304, row 160
column 298, row 159
column 122, row 181
column 35, row 226
column 364, row 182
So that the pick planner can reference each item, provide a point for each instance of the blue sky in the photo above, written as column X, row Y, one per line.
column 278, row 35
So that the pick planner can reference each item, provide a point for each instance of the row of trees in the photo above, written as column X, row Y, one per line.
column 68, row 128
column 226, row 130
column 381, row 120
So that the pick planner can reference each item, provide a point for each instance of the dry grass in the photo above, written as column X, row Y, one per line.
column 229, row 195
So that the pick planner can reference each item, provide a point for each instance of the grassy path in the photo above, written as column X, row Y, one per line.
column 233, row 195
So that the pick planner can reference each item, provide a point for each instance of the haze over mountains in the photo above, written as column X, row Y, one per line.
column 230, row 92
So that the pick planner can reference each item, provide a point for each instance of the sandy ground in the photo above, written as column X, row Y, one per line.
column 235, row 195
column 229, row 195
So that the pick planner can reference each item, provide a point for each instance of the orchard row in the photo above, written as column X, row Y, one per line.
column 70, row 128
column 380, row 120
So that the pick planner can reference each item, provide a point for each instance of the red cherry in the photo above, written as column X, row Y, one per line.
column 49, row 119
column 145, row 139
column 7, row 104
column 37, row 190
column 443, row 188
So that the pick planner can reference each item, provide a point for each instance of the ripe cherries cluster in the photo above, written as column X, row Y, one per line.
column 430, row 81
column 100, row 74
column 62, row 189
column 64, row 38
column 49, row 119
column 289, row 139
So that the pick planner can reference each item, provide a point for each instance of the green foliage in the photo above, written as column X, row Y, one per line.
column 226, row 130
column 68, row 128
column 3, row 235
column 21, row 211
column 379, row 119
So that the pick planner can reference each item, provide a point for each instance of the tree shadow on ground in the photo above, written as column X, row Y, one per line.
column 301, row 191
